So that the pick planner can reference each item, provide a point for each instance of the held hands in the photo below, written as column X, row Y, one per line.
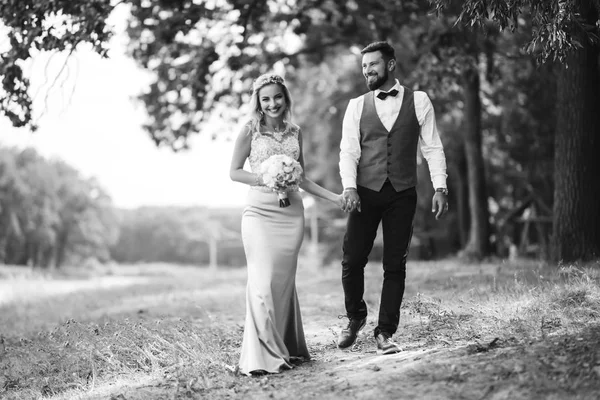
column 439, row 204
column 350, row 200
column 339, row 201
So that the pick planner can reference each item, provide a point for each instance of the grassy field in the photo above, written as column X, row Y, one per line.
column 496, row 330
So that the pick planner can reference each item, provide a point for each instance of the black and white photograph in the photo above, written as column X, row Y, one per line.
column 299, row 199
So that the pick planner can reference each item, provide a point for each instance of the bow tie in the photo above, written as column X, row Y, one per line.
column 383, row 95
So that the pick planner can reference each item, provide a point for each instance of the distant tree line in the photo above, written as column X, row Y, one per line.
column 179, row 235
column 50, row 215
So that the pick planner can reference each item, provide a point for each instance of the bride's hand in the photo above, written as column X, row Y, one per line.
column 339, row 201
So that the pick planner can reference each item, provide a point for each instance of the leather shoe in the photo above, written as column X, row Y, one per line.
column 385, row 344
column 349, row 334
column 258, row 372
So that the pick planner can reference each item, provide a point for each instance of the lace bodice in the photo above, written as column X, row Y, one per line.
column 266, row 144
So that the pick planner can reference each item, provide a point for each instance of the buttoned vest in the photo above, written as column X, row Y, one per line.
column 388, row 155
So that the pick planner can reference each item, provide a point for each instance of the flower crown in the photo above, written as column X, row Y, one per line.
column 267, row 79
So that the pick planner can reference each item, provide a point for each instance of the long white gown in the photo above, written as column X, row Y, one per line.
column 273, row 332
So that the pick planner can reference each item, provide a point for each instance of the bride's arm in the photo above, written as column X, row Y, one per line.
column 311, row 187
column 241, row 152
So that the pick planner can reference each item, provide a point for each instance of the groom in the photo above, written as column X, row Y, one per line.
column 378, row 166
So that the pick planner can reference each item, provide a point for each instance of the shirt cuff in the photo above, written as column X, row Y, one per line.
column 439, row 182
column 349, row 183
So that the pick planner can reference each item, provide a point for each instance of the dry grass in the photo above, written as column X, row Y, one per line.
column 151, row 322
column 83, row 356
column 178, row 331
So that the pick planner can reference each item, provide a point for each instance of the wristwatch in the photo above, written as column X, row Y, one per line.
column 442, row 190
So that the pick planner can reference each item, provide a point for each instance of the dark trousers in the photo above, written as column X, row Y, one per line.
column 395, row 210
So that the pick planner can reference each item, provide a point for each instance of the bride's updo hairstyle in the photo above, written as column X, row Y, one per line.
column 256, row 113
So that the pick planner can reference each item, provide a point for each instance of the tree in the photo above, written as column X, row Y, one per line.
column 12, row 193
column 49, row 215
column 41, row 26
column 87, row 225
column 452, row 63
column 38, row 210
column 565, row 32
column 204, row 54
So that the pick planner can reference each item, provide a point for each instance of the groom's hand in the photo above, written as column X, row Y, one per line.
column 439, row 205
column 351, row 200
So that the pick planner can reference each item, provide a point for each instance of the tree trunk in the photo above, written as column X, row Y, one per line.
column 25, row 255
column 3, row 245
column 48, row 256
column 479, row 231
column 458, row 168
column 576, row 215
column 61, row 248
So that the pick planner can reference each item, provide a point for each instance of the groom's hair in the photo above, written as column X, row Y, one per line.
column 384, row 47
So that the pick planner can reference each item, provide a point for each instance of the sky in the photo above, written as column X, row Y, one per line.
column 90, row 119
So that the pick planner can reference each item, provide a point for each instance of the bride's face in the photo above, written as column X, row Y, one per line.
column 272, row 100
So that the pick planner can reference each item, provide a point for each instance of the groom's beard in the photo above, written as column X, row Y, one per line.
column 377, row 82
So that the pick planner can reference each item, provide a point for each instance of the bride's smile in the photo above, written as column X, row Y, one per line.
column 272, row 101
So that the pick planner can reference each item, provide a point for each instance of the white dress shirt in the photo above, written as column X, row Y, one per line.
column 388, row 110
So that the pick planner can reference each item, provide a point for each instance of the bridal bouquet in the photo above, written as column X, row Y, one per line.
column 279, row 172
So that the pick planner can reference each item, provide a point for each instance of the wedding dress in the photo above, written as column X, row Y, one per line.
column 273, row 332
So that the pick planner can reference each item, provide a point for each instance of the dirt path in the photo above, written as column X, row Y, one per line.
column 447, row 353
column 501, row 369
column 331, row 374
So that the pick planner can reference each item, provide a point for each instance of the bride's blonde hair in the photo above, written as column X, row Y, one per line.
column 256, row 113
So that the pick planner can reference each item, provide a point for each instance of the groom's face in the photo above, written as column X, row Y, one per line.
column 374, row 69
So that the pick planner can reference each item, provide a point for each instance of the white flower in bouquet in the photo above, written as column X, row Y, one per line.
column 280, row 172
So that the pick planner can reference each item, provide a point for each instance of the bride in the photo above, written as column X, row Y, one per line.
column 273, row 332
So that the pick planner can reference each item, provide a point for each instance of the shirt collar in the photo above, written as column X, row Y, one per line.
column 397, row 86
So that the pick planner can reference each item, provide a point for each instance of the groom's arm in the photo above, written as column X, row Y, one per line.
column 350, row 145
column 350, row 154
column 433, row 151
column 430, row 142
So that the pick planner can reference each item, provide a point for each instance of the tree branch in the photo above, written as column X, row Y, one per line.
column 246, row 19
column 62, row 68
